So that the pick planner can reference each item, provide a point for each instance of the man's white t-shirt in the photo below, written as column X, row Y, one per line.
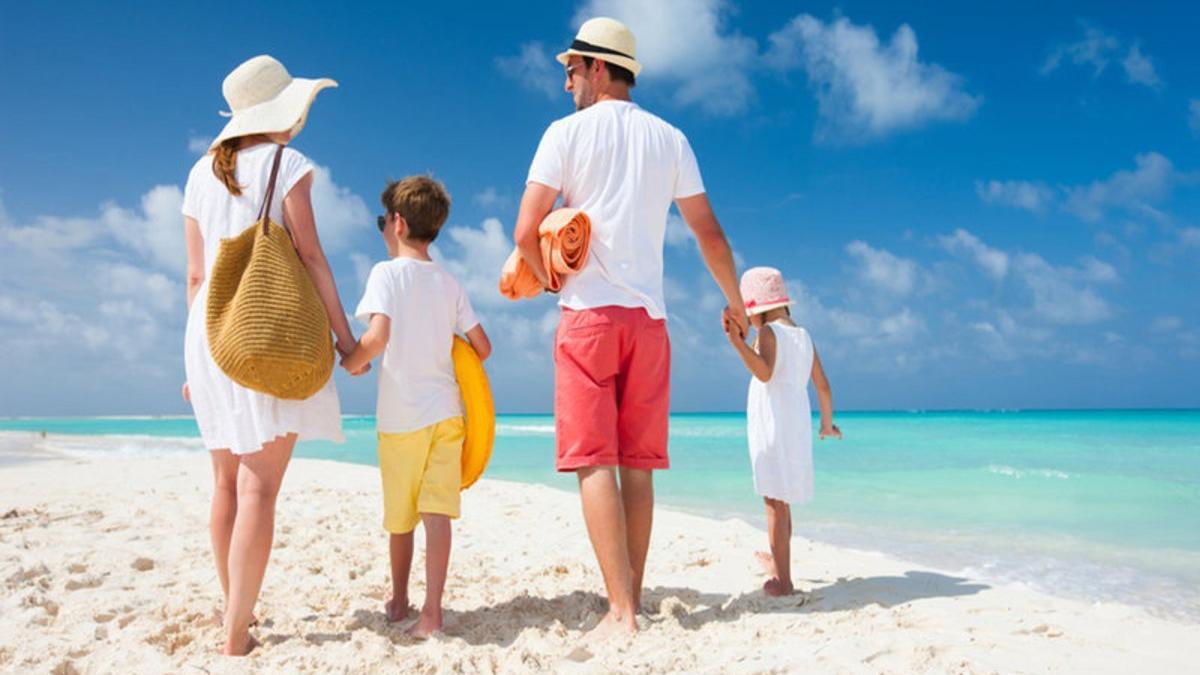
column 426, row 306
column 623, row 167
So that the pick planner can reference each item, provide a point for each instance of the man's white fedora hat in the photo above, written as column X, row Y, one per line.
column 608, row 40
column 264, row 99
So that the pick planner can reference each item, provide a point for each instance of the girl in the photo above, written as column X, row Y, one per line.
column 778, row 416
column 250, row 435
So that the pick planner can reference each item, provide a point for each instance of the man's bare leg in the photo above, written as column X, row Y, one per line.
column 605, row 518
column 637, row 498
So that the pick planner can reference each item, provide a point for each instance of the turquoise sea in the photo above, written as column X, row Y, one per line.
column 1102, row 505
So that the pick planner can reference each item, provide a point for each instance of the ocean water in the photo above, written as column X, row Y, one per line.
column 1100, row 505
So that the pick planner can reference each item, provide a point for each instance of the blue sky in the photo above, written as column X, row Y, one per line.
column 975, row 207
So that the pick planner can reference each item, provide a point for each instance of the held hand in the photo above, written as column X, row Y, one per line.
column 733, row 331
column 831, row 430
column 187, row 393
column 739, row 318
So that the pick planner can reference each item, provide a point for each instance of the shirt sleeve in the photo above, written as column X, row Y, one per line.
column 548, row 162
column 191, row 202
column 377, row 296
column 466, row 314
column 687, row 175
column 292, row 167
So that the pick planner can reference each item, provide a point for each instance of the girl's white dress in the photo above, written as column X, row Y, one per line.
column 229, row 415
column 779, row 420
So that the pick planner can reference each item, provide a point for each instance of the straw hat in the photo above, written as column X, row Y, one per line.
column 608, row 40
column 763, row 290
column 265, row 99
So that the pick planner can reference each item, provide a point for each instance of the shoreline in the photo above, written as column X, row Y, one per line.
column 111, row 570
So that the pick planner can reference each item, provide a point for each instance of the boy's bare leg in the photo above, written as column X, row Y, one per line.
column 637, row 498
column 437, row 561
column 400, row 553
column 779, row 532
column 605, row 518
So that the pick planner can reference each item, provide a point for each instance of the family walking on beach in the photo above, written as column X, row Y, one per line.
column 613, row 161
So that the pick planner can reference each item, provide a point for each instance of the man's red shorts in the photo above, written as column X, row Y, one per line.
column 612, row 371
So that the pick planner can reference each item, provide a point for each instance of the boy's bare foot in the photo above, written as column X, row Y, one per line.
column 767, row 561
column 427, row 624
column 233, row 649
column 776, row 588
column 613, row 624
column 396, row 609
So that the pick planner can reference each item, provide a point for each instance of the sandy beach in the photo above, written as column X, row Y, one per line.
column 106, row 567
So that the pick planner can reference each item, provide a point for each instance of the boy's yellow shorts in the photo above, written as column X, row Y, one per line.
column 422, row 473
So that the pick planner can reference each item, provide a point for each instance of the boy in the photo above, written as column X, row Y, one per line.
column 413, row 308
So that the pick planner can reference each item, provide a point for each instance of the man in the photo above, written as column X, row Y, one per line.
column 623, row 167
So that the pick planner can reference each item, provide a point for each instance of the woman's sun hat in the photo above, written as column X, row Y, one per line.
column 763, row 289
column 605, row 39
column 265, row 99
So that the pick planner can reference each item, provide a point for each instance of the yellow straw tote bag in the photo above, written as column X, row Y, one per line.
column 267, row 327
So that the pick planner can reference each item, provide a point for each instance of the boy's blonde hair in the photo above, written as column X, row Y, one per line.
column 421, row 201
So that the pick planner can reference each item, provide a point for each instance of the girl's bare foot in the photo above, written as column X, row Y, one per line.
column 767, row 561
column 396, row 609
column 233, row 649
column 776, row 588
column 427, row 624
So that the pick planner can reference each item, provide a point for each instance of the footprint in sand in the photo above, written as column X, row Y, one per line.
column 91, row 581
column 77, row 568
column 143, row 564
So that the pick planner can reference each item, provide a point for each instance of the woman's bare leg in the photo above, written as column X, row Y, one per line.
column 258, row 481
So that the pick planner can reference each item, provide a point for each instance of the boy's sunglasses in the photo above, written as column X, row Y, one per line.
column 381, row 221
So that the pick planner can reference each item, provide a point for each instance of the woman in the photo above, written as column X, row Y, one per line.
column 250, row 435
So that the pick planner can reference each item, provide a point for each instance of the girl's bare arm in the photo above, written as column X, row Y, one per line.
column 824, row 398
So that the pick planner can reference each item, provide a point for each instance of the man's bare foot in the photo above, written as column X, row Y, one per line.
column 427, row 624
column 612, row 624
column 767, row 561
column 776, row 588
column 396, row 610
column 234, row 649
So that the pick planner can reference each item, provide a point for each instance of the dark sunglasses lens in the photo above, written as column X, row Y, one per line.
column 381, row 221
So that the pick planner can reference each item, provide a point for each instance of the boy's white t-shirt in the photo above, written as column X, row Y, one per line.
column 623, row 167
column 427, row 306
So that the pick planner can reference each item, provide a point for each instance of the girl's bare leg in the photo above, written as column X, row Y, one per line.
column 779, row 532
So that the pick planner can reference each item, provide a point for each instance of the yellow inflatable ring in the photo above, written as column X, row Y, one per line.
column 478, row 408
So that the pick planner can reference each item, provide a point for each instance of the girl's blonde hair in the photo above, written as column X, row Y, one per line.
column 225, row 165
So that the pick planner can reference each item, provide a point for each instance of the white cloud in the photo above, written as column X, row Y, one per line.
column 198, row 145
column 156, row 232
column 883, row 270
column 490, row 198
column 677, row 234
column 865, row 88
column 1166, row 324
column 687, row 43
column 152, row 288
column 1057, row 295
column 993, row 261
column 1194, row 116
column 339, row 213
column 1097, row 49
column 476, row 258
column 1136, row 191
column 1035, row 197
column 533, row 68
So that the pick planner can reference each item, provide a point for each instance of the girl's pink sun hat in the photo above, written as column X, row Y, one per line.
column 763, row 290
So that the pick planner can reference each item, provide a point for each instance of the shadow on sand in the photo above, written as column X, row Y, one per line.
column 502, row 623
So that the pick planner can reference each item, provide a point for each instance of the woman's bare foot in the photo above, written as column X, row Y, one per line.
column 396, row 609
column 234, row 649
column 613, row 624
column 218, row 619
column 767, row 561
column 776, row 588
column 427, row 624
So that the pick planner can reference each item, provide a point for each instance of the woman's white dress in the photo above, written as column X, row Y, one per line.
column 229, row 415
column 779, row 420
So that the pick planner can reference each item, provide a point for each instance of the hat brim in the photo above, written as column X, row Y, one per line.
column 759, row 309
column 624, row 61
column 279, row 114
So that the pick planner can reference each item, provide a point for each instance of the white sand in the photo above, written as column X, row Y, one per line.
column 106, row 568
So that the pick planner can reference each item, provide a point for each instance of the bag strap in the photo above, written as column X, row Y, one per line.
column 264, row 212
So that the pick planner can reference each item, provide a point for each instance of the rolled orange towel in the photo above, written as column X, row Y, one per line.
column 564, row 236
